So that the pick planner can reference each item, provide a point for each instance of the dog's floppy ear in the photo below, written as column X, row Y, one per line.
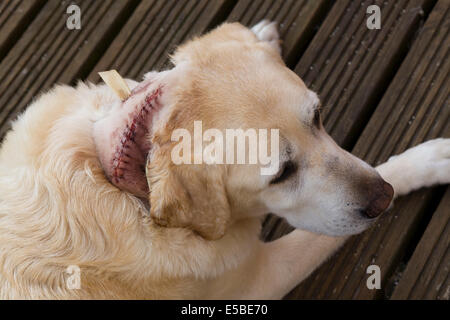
column 187, row 196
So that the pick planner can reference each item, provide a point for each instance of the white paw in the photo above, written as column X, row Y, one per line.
column 422, row 166
column 267, row 31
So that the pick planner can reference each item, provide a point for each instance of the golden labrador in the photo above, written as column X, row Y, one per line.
column 89, row 185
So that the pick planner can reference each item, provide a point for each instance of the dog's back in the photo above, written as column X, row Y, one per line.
column 48, row 177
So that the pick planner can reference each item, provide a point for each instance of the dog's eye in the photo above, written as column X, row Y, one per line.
column 289, row 168
column 317, row 118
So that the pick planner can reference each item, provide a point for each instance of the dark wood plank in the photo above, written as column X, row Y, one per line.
column 297, row 20
column 157, row 27
column 15, row 16
column 349, row 65
column 415, row 108
column 49, row 53
column 153, row 32
column 426, row 275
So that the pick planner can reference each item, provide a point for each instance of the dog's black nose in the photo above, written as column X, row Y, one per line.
column 381, row 196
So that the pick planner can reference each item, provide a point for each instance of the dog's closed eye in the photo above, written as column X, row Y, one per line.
column 317, row 120
column 288, row 170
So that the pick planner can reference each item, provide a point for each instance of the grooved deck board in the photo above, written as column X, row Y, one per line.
column 426, row 275
column 15, row 16
column 158, row 27
column 349, row 65
column 49, row 53
column 296, row 20
column 153, row 32
column 414, row 109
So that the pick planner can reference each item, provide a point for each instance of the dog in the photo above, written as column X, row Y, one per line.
column 88, row 183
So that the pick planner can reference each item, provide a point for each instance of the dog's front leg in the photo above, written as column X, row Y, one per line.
column 291, row 259
column 276, row 267
column 422, row 166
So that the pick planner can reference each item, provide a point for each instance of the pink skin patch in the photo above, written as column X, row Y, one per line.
column 123, row 142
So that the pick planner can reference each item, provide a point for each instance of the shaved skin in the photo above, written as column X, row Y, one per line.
column 122, row 138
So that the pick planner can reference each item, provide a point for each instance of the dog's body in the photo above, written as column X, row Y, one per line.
column 58, row 208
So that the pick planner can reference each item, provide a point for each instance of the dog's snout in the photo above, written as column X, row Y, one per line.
column 381, row 197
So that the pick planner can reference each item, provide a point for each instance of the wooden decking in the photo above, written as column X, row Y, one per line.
column 382, row 90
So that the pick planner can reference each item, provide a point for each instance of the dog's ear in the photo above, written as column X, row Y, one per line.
column 187, row 196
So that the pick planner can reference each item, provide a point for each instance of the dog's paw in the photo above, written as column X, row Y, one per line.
column 267, row 31
column 422, row 166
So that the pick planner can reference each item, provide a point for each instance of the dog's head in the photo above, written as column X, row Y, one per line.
column 228, row 80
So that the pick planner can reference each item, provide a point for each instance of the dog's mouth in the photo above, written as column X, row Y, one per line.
column 122, row 138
